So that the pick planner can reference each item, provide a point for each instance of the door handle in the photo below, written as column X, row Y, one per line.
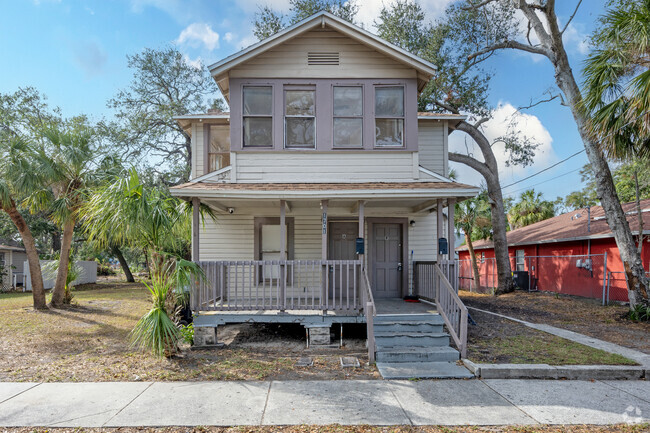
column 399, row 267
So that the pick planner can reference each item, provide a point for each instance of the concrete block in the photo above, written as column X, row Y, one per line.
column 319, row 336
column 305, row 361
column 517, row 371
column 205, row 336
column 474, row 368
column 599, row 372
column 350, row 362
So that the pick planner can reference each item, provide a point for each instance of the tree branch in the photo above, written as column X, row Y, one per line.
column 511, row 45
column 477, row 5
column 479, row 166
column 575, row 11
column 542, row 101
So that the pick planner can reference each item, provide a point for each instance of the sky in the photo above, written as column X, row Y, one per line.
column 74, row 52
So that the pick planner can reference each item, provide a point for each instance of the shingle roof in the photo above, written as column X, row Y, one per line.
column 571, row 226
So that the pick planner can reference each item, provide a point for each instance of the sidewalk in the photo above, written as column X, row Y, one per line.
column 444, row 402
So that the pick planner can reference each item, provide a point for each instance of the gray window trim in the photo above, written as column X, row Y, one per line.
column 244, row 116
column 403, row 117
column 363, row 116
column 290, row 87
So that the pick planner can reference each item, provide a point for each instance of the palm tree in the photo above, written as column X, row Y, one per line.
column 66, row 166
column 531, row 208
column 15, row 181
column 472, row 218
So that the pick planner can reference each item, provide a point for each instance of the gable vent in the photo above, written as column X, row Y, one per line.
column 320, row 59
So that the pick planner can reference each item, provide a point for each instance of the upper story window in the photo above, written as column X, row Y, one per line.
column 219, row 147
column 348, row 116
column 389, row 116
column 300, row 118
column 258, row 116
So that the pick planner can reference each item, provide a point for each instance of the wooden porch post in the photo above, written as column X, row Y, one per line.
column 283, row 256
column 439, row 226
column 324, row 283
column 195, row 229
column 451, row 267
column 360, row 276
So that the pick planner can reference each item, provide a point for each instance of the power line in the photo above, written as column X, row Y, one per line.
column 547, row 180
column 542, row 171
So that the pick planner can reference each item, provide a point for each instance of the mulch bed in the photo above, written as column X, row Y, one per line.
column 585, row 316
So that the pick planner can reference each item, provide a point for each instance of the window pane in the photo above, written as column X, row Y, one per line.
column 299, row 102
column 258, row 131
column 389, row 101
column 389, row 132
column 300, row 132
column 347, row 132
column 219, row 139
column 348, row 101
column 219, row 161
column 258, row 100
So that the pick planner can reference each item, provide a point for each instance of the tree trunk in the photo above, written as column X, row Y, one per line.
column 35, row 273
column 125, row 266
column 472, row 256
column 638, row 211
column 58, row 292
column 635, row 274
column 490, row 172
column 56, row 241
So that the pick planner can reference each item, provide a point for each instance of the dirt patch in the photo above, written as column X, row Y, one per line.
column 585, row 316
column 622, row 428
column 89, row 341
column 502, row 341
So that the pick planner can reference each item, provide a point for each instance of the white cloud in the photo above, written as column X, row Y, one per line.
column 228, row 37
column 199, row 33
column 529, row 126
column 575, row 38
column 369, row 10
column 196, row 63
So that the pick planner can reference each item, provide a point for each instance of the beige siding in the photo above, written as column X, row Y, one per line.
column 18, row 260
column 229, row 238
column 422, row 237
column 197, row 150
column 377, row 166
column 290, row 60
column 431, row 142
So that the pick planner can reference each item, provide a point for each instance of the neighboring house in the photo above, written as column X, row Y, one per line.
column 12, row 259
column 566, row 254
column 327, row 182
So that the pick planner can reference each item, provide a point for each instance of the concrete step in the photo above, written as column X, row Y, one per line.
column 411, row 339
column 417, row 354
column 422, row 370
column 436, row 319
column 408, row 326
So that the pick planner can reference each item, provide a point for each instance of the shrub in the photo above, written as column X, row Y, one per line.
column 105, row 270
column 640, row 313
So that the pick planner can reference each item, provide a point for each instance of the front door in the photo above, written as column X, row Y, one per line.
column 342, row 246
column 387, row 260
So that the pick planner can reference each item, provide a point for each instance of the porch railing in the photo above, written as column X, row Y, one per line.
column 423, row 277
column 452, row 310
column 370, row 312
column 328, row 285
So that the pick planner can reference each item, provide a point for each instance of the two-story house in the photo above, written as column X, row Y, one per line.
column 329, row 188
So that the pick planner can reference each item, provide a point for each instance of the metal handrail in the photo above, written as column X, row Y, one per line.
column 452, row 310
column 369, row 312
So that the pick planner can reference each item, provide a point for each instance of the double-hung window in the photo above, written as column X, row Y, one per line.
column 258, row 116
column 348, row 116
column 520, row 260
column 389, row 116
column 300, row 118
column 219, row 148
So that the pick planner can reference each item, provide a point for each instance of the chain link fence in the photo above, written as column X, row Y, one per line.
column 577, row 275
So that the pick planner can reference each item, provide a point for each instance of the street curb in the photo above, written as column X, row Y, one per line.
column 545, row 371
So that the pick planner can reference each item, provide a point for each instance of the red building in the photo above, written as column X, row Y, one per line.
column 574, row 253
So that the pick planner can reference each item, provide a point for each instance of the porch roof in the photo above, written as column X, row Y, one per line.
column 324, row 190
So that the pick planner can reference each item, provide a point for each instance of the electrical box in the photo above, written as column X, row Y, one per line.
column 360, row 246
column 443, row 246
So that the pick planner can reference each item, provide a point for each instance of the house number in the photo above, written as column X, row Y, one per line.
column 324, row 223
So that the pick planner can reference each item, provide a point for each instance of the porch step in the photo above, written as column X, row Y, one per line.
column 408, row 326
column 417, row 354
column 435, row 319
column 410, row 339
column 423, row 370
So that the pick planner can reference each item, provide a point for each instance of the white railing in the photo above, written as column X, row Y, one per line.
column 328, row 285
column 452, row 310
column 369, row 312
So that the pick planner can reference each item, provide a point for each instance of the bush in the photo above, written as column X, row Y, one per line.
column 640, row 313
column 187, row 331
column 105, row 270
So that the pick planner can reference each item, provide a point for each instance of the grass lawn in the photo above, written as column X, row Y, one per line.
column 89, row 341
column 582, row 315
column 497, row 340
column 621, row 428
